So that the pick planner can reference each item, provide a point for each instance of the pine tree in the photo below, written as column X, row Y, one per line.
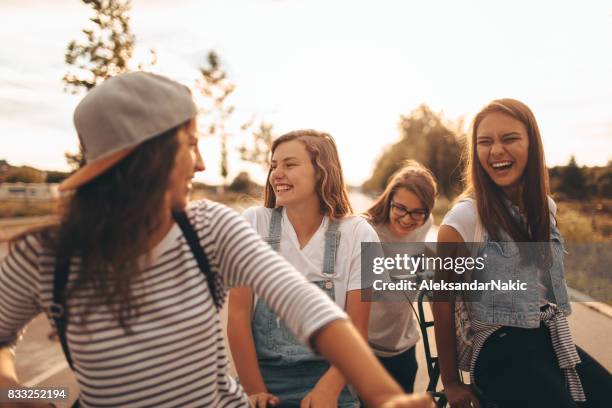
column 573, row 181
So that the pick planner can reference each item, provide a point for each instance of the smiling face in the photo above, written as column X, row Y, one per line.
column 502, row 147
column 292, row 175
column 400, row 222
column 187, row 162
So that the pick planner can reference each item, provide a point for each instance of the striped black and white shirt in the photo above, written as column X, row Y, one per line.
column 176, row 354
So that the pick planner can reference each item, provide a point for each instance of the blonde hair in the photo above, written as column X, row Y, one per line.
column 330, row 187
column 412, row 176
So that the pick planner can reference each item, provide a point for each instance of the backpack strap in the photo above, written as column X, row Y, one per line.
column 196, row 248
column 57, row 310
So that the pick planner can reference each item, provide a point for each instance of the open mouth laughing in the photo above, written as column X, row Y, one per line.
column 282, row 188
column 501, row 167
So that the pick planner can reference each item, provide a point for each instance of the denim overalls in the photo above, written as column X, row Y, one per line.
column 289, row 369
column 503, row 262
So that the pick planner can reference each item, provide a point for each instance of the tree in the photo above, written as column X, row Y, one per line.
column 573, row 181
column 242, row 183
column 259, row 150
column 426, row 137
column 24, row 174
column 75, row 160
column 604, row 184
column 107, row 51
column 56, row 176
column 108, row 47
column 216, row 88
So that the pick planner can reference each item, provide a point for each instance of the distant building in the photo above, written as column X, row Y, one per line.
column 29, row 191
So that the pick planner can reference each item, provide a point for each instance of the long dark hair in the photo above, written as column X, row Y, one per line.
column 493, row 212
column 108, row 223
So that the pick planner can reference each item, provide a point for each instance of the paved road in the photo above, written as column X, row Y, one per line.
column 40, row 361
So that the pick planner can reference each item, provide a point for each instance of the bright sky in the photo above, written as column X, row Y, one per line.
column 350, row 68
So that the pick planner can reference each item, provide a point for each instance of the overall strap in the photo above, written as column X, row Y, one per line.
column 196, row 248
column 332, row 240
column 274, row 233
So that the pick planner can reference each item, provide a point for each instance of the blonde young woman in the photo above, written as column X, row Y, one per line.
column 401, row 214
column 307, row 219
column 133, row 277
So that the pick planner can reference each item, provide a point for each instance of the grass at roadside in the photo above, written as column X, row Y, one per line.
column 19, row 208
column 587, row 230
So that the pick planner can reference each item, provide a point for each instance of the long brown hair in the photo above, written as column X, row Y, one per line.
column 493, row 212
column 330, row 187
column 108, row 222
column 412, row 176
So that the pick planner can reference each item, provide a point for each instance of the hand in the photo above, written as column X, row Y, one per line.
column 321, row 396
column 461, row 396
column 263, row 400
column 422, row 400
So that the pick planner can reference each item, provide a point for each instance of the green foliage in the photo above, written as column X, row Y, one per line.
column 426, row 137
column 56, row 176
column 242, row 183
column 216, row 88
column 259, row 150
column 604, row 183
column 574, row 182
column 24, row 174
column 75, row 160
column 107, row 49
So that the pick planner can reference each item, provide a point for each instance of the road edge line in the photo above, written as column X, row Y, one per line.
column 45, row 375
column 589, row 302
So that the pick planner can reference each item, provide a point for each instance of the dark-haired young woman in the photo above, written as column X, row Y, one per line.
column 133, row 278
column 521, row 353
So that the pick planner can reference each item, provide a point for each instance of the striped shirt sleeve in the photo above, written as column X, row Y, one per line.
column 244, row 259
column 19, row 286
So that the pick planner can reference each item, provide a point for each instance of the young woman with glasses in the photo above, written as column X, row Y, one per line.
column 401, row 214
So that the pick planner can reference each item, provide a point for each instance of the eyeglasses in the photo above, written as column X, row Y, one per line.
column 417, row 215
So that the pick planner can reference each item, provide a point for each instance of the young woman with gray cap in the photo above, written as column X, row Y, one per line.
column 133, row 278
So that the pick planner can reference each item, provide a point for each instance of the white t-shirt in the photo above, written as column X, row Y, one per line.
column 392, row 329
column 309, row 260
column 463, row 217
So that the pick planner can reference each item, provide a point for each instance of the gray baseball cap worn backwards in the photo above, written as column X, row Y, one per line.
column 120, row 114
